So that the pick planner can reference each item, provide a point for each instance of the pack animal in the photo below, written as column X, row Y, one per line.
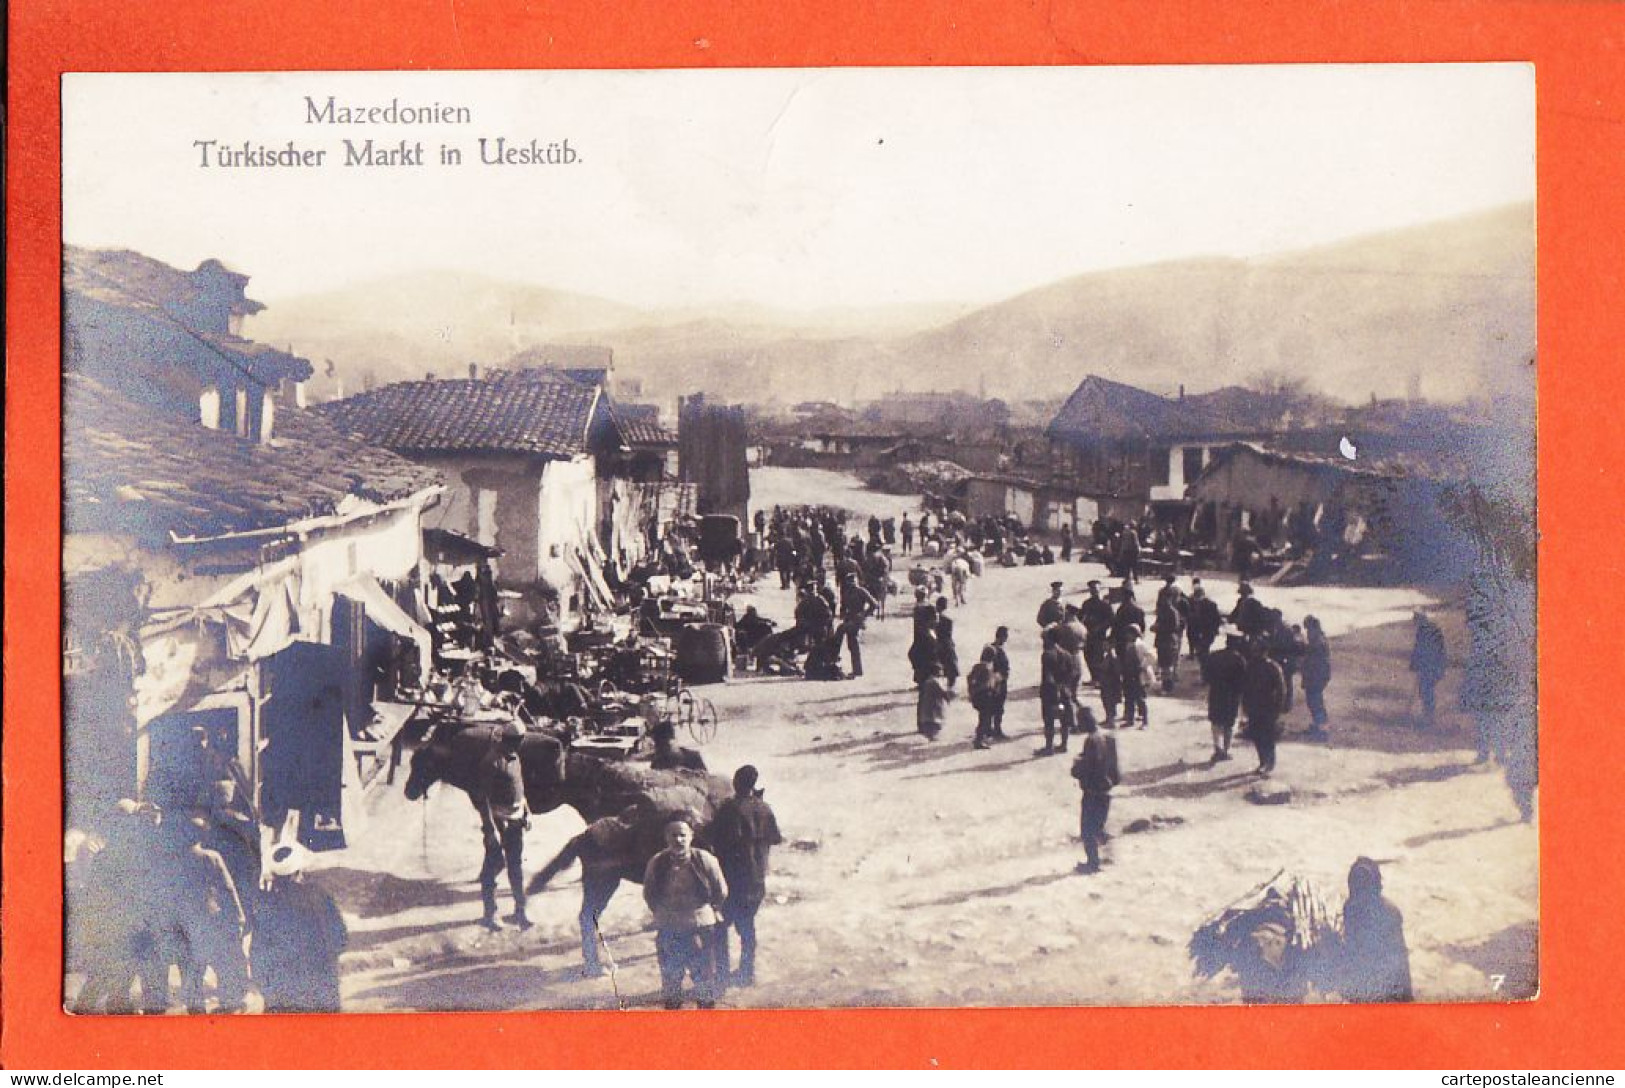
column 554, row 776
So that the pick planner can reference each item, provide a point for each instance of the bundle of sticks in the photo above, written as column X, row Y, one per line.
column 1283, row 921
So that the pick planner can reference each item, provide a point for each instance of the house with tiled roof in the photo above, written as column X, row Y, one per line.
column 538, row 463
column 239, row 575
column 1131, row 444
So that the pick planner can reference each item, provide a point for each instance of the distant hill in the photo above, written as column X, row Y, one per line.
column 1446, row 310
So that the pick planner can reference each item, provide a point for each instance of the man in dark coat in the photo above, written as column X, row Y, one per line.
column 1205, row 622
column 1263, row 696
column 784, row 558
column 1427, row 662
column 1051, row 611
column 1096, row 614
column 1096, row 772
column 1056, row 684
column 922, row 652
column 1001, row 666
column 1376, row 962
column 947, row 652
column 744, row 833
column 906, row 531
column 814, row 620
column 298, row 937
column 1169, row 632
column 1250, row 616
column 1225, row 671
column 1129, row 615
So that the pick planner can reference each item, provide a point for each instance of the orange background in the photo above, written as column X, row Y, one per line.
column 1581, row 96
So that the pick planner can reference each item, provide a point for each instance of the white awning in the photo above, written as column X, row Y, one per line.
column 382, row 610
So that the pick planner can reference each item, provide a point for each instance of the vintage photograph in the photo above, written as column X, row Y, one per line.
column 796, row 538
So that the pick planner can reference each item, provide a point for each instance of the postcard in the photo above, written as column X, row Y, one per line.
column 792, row 538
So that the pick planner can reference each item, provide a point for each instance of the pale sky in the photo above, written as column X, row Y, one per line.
column 795, row 188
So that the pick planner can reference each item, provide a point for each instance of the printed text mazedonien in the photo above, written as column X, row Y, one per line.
column 332, row 112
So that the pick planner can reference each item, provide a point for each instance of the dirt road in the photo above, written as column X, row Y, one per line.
column 929, row 873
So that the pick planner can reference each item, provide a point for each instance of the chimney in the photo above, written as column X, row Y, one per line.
column 267, row 416
column 428, row 375
column 473, row 372
column 1181, row 390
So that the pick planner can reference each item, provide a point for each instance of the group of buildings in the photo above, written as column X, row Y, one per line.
column 247, row 577
column 1202, row 466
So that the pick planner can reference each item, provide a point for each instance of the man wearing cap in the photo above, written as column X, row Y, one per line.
column 503, row 822
column 1250, row 616
column 1051, row 611
column 1056, row 687
column 298, row 937
column 1096, row 773
column 1096, row 614
column 1000, row 661
column 1204, row 623
column 684, row 888
column 857, row 605
column 1225, row 671
column 745, row 832
column 1263, row 696
column 1129, row 616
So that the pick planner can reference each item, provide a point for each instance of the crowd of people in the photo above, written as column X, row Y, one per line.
column 165, row 891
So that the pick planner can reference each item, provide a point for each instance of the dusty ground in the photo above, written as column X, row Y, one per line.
column 928, row 873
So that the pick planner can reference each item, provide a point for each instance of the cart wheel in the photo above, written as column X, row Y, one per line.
column 703, row 726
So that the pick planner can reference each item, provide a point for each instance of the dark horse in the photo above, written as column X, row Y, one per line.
column 644, row 799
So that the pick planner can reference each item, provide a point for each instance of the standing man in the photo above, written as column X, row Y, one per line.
column 1169, row 632
column 857, row 604
column 931, row 709
column 1096, row 614
column 959, row 577
column 1250, row 615
column 986, row 689
column 947, row 652
column 684, row 887
column 1056, row 684
column 503, row 821
column 1204, row 625
column 906, row 531
column 1051, row 611
column 1066, row 542
column 1225, row 671
column 1129, row 616
column 1138, row 667
column 745, row 832
column 1001, row 665
column 298, row 936
column 1263, row 696
column 1096, row 772
column 1317, row 673
column 1427, row 662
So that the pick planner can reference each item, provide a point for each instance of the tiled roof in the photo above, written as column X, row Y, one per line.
column 1306, row 462
column 640, row 425
column 541, row 415
column 130, row 469
column 122, row 297
column 133, row 279
column 1104, row 410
